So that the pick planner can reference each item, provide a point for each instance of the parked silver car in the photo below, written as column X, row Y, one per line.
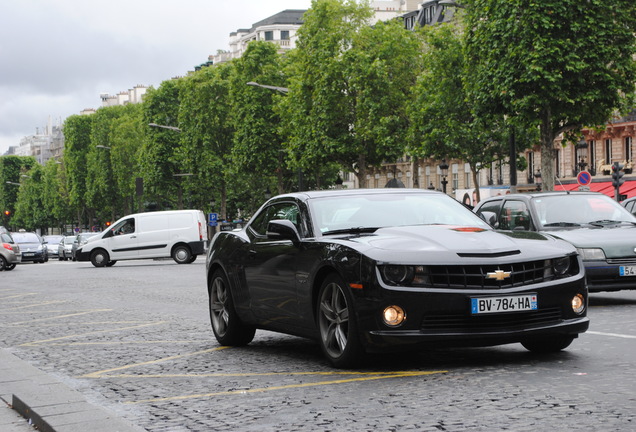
column 52, row 243
column 9, row 252
column 65, row 248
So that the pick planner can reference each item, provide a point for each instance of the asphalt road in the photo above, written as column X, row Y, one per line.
column 135, row 339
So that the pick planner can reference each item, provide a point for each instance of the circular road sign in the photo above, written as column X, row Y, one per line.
column 584, row 178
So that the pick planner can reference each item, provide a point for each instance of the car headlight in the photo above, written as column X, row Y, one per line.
column 591, row 254
column 561, row 266
column 405, row 275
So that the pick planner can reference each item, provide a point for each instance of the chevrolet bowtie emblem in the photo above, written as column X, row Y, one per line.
column 498, row 275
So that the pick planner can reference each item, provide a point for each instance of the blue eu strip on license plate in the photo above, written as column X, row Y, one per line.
column 485, row 305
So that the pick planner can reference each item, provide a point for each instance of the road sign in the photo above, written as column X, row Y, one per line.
column 213, row 219
column 584, row 178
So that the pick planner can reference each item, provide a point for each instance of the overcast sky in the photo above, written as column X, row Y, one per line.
column 58, row 56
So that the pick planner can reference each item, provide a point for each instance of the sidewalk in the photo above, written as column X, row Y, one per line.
column 49, row 405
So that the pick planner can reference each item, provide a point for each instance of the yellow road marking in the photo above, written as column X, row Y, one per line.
column 100, row 374
column 89, row 333
column 60, row 316
column 18, row 296
column 243, row 374
column 290, row 386
column 131, row 342
column 32, row 305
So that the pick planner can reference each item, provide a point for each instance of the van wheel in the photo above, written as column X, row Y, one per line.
column 111, row 263
column 181, row 254
column 99, row 258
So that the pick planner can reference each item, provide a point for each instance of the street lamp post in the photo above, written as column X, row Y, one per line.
column 173, row 128
column 443, row 168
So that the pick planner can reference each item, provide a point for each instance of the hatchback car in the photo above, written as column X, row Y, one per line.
column 603, row 232
column 65, row 248
column 373, row 270
column 9, row 252
column 52, row 243
column 630, row 205
column 32, row 247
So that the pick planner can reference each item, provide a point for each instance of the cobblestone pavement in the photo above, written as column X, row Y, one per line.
column 135, row 338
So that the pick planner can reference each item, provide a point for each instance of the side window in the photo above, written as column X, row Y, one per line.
column 490, row 212
column 515, row 216
column 124, row 227
column 287, row 211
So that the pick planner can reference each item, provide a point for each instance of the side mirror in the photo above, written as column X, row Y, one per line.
column 282, row 229
column 490, row 218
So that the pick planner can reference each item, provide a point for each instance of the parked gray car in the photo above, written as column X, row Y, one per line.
column 9, row 252
column 65, row 248
column 32, row 247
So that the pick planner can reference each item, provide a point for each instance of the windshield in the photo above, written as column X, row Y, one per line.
column 577, row 210
column 363, row 213
column 26, row 238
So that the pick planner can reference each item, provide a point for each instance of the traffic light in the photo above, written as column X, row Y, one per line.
column 7, row 213
column 617, row 175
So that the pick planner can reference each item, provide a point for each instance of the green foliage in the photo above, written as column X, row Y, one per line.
column 77, row 140
column 158, row 161
column 30, row 212
column 206, row 141
column 556, row 64
column 443, row 123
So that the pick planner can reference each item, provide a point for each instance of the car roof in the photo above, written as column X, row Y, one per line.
column 541, row 194
column 351, row 192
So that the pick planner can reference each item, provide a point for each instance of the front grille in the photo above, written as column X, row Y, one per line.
column 468, row 323
column 622, row 261
column 521, row 274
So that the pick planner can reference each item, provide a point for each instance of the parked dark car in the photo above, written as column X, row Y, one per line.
column 65, row 248
column 603, row 232
column 32, row 247
column 9, row 252
column 52, row 242
column 381, row 269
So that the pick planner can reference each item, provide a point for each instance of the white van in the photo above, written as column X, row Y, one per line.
column 180, row 234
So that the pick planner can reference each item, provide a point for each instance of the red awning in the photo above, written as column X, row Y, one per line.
column 628, row 188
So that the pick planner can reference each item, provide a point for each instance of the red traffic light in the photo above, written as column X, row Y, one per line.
column 7, row 212
column 107, row 224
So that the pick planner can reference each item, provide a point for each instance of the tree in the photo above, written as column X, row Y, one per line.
column 318, row 112
column 443, row 124
column 77, row 139
column 159, row 163
column 207, row 135
column 55, row 195
column 558, row 65
column 30, row 212
column 258, row 144
column 11, row 170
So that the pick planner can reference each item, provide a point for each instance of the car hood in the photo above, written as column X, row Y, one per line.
column 444, row 243
column 616, row 242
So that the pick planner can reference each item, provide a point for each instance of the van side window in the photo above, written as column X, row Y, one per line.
column 124, row 227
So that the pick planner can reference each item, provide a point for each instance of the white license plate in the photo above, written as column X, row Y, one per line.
column 484, row 305
column 29, row 254
column 627, row 270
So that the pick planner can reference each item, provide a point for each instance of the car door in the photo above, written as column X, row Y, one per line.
column 270, row 266
column 123, row 242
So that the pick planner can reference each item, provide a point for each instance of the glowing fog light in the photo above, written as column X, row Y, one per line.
column 578, row 304
column 393, row 316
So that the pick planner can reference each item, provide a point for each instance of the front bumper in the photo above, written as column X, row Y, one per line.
column 34, row 256
column 442, row 317
column 604, row 276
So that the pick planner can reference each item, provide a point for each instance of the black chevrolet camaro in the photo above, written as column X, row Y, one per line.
column 385, row 269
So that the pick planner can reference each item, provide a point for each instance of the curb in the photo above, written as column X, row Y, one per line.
column 48, row 404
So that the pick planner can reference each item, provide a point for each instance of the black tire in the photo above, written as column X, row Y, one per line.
column 111, row 263
column 61, row 259
column 99, row 258
column 3, row 263
column 193, row 259
column 181, row 254
column 339, row 338
column 9, row 267
column 228, row 328
column 548, row 344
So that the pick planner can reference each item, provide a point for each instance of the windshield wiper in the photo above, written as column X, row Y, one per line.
column 562, row 224
column 604, row 222
column 352, row 230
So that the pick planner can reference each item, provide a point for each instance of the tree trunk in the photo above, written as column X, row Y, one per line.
column 362, row 171
column 547, row 152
